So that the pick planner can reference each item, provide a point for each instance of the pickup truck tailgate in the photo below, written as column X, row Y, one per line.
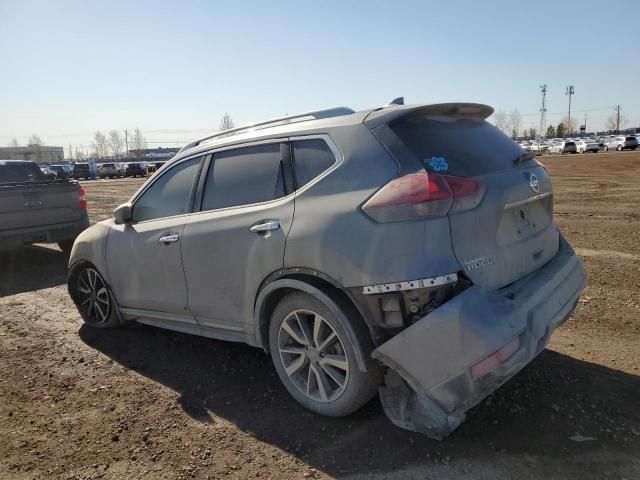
column 39, row 204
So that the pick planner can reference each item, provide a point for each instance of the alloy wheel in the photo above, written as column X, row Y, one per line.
column 93, row 296
column 313, row 355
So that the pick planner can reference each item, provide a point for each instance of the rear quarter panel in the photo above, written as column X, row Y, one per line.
column 330, row 234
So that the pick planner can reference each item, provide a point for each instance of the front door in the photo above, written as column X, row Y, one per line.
column 144, row 257
column 238, row 237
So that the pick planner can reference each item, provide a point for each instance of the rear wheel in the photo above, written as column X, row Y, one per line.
column 619, row 148
column 91, row 295
column 66, row 246
column 315, row 355
column 606, row 149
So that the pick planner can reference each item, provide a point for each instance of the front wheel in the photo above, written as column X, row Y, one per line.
column 606, row 149
column 315, row 354
column 619, row 148
column 91, row 294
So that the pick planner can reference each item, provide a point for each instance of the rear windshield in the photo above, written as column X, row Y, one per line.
column 108, row 165
column 568, row 144
column 631, row 139
column 20, row 172
column 458, row 146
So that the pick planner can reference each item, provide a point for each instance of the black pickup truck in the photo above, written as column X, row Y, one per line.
column 36, row 210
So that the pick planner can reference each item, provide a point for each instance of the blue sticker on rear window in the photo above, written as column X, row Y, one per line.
column 438, row 164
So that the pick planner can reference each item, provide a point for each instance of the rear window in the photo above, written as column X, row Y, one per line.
column 458, row 146
column 631, row 139
column 20, row 172
column 569, row 144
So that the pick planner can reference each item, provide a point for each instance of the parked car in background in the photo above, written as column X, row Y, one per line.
column 63, row 171
column 48, row 173
column 431, row 279
column 81, row 170
column 34, row 210
column 620, row 143
column 587, row 145
column 563, row 147
column 133, row 169
column 111, row 170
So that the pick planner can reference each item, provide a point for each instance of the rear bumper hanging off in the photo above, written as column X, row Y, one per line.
column 452, row 358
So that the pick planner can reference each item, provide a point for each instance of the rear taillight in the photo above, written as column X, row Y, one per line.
column 82, row 198
column 423, row 195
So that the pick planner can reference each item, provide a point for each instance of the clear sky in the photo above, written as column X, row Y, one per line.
column 172, row 68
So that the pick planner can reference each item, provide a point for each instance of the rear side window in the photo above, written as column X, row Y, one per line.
column 169, row 195
column 457, row 146
column 310, row 159
column 20, row 172
column 244, row 176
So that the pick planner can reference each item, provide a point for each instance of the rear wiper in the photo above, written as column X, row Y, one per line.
column 524, row 157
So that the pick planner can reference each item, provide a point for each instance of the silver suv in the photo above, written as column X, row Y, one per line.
column 405, row 250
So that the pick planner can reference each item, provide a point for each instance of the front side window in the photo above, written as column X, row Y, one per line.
column 310, row 159
column 169, row 195
column 244, row 176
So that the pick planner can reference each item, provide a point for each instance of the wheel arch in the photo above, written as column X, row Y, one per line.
column 321, row 286
column 73, row 270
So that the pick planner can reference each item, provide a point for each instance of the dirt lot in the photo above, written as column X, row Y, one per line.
column 76, row 403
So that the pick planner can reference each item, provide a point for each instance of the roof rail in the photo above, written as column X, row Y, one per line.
column 298, row 117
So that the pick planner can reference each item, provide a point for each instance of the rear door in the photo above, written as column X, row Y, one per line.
column 511, row 232
column 238, row 237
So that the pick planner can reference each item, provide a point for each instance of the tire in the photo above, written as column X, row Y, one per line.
column 66, row 246
column 92, row 297
column 619, row 148
column 346, row 387
column 606, row 149
column 581, row 150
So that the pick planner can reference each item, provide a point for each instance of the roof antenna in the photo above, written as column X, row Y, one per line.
column 396, row 101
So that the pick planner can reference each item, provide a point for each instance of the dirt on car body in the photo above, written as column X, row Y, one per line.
column 146, row 403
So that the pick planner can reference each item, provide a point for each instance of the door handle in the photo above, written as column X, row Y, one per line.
column 170, row 238
column 265, row 226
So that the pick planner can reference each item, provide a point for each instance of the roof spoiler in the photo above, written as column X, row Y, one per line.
column 391, row 113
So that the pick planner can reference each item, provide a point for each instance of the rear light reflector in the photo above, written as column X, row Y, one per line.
column 82, row 198
column 495, row 359
column 423, row 195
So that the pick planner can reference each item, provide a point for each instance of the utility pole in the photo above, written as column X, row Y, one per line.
column 618, row 107
column 570, row 91
column 126, row 141
column 543, row 111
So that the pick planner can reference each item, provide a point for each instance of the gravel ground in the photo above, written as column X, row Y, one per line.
column 140, row 402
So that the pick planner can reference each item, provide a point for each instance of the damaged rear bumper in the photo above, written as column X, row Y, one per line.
column 452, row 358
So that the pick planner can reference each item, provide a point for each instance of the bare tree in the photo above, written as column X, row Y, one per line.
column 116, row 143
column 515, row 119
column 35, row 140
column 13, row 143
column 226, row 123
column 501, row 121
column 138, row 143
column 571, row 127
column 612, row 122
column 100, row 144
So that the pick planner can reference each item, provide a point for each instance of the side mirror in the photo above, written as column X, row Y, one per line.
column 123, row 213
